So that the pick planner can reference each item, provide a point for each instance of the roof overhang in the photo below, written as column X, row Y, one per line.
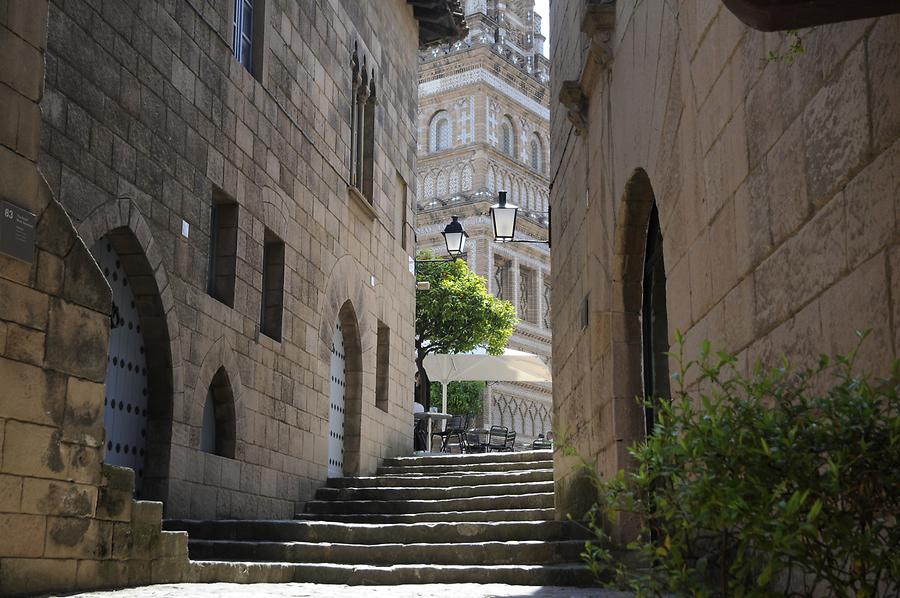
column 440, row 21
column 779, row 15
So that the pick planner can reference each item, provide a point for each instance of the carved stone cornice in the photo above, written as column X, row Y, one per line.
column 597, row 23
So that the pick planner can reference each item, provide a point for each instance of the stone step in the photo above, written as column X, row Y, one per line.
column 472, row 458
column 542, row 500
column 461, row 468
column 363, row 533
column 525, row 552
column 566, row 574
column 432, row 493
column 437, row 516
column 419, row 479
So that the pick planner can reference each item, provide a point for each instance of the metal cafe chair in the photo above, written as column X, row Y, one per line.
column 496, row 439
column 454, row 428
column 473, row 441
column 510, row 444
column 540, row 444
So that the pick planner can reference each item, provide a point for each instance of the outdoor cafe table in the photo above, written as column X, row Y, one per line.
column 431, row 416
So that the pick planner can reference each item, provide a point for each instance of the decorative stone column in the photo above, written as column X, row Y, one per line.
column 514, row 281
column 539, row 296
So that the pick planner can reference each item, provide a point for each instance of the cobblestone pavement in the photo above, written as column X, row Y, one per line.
column 311, row 590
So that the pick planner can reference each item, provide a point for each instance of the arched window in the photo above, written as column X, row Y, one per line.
column 217, row 435
column 537, row 162
column 467, row 178
column 454, row 181
column 440, row 132
column 507, row 137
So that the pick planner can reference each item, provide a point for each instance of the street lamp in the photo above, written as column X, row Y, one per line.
column 503, row 217
column 455, row 238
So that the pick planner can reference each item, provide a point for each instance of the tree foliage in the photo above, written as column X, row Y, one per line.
column 465, row 397
column 458, row 314
column 786, row 482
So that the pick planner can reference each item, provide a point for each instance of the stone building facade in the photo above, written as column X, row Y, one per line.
column 202, row 273
column 703, row 183
column 484, row 127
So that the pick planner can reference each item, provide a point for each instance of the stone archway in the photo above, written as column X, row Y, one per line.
column 347, row 324
column 218, row 428
column 640, row 365
column 346, row 303
column 220, row 377
column 118, row 235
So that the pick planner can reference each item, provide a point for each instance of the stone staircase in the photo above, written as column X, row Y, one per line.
column 484, row 518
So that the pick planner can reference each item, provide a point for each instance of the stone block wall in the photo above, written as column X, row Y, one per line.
column 67, row 521
column 147, row 117
column 777, row 190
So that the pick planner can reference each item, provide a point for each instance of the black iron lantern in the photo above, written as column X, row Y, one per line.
column 455, row 238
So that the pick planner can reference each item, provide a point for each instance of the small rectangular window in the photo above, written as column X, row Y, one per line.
column 222, row 248
column 584, row 312
column 402, row 207
column 243, row 33
column 248, row 24
column 382, row 366
column 272, row 286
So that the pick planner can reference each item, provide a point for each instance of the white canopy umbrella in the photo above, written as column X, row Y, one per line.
column 512, row 366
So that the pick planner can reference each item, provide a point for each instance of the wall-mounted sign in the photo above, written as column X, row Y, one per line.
column 16, row 232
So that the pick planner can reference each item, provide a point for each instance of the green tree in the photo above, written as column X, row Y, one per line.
column 457, row 314
column 465, row 397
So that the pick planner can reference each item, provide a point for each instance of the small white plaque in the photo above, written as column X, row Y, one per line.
column 185, row 229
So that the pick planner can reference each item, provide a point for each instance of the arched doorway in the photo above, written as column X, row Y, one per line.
column 640, row 367
column 654, row 324
column 138, row 397
column 127, row 388
column 337, row 403
column 345, row 394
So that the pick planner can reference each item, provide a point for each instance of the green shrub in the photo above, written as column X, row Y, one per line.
column 762, row 486
column 465, row 397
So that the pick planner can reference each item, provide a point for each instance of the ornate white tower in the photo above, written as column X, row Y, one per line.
column 483, row 128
